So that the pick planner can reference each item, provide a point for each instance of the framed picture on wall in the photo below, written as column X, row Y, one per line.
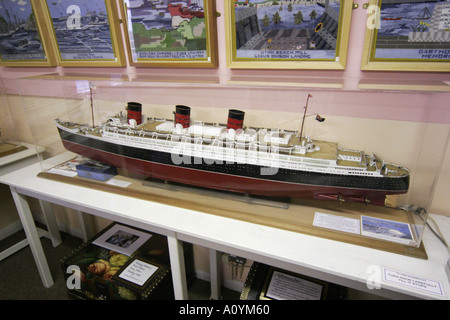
column 85, row 32
column 407, row 36
column 287, row 34
column 171, row 33
column 23, row 38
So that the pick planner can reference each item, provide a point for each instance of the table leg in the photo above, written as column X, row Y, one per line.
column 215, row 259
column 83, row 218
column 177, row 266
column 50, row 221
column 33, row 237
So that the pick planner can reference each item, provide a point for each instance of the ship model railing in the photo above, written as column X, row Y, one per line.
column 197, row 139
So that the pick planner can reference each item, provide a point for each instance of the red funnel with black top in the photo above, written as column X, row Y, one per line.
column 183, row 115
column 235, row 119
column 134, row 111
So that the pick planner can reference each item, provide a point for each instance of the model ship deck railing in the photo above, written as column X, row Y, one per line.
column 149, row 129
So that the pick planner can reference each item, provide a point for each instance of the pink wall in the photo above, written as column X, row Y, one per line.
column 349, row 101
column 415, row 106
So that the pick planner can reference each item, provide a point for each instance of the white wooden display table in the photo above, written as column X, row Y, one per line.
column 345, row 264
column 15, row 161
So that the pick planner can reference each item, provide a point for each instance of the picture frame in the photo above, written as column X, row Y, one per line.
column 270, row 35
column 122, row 239
column 407, row 37
column 180, row 34
column 85, row 33
column 23, row 36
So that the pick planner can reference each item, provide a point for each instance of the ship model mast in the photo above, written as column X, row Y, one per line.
column 318, row 117
column 91, row 93
column 304, row 115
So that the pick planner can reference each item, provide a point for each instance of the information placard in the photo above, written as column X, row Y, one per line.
column 138, row 272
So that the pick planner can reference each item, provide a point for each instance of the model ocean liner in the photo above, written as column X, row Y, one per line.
column 232, row 157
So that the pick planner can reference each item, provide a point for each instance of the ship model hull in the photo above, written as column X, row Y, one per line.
column 236, row 176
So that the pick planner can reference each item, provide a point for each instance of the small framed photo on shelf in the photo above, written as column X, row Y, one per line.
column 171, row 33
column 122, row 239
column 407, row 36
column 23, row 37
column 85, row 33
column 287, row 34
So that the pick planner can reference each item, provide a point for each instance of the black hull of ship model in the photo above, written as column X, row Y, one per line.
column 237, row 177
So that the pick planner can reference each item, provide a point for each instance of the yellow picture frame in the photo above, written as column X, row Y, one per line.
column 271, row 52
column 83, row 35
column 144, row 51
column 33, row 48
column 413, row 36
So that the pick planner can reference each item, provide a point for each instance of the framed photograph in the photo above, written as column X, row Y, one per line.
column 407, row 36
column 23, row 37
column 122, row 239
column 85, row 33
column 390, row 230
column 171, row 33
column 287, row 34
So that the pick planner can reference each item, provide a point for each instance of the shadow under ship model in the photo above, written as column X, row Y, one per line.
column 231, row 157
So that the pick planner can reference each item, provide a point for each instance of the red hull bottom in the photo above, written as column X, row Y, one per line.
column 240, row 184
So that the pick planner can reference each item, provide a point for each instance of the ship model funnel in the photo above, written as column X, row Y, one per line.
column 235, row 119
column 182, row 115
column 134, row 112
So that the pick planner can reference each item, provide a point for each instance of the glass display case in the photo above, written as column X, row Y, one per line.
column 16, row 139
column 15, row 153
column 344, row 159
column 10, row 142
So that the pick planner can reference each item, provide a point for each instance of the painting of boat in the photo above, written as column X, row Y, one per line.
column 185, row 12
column 81, row 29
column 19, row 35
